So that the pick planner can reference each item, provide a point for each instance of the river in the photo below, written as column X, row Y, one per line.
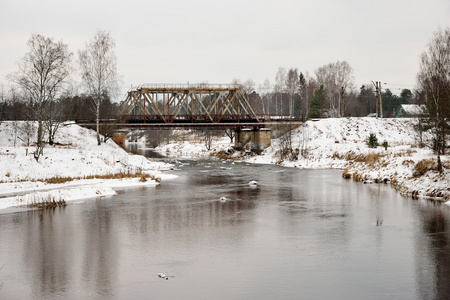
column 297, row 234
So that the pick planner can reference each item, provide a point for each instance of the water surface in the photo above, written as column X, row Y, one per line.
column 299, row 234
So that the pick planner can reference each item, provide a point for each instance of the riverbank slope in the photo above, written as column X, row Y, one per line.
column 341, row 143
column 74, row 168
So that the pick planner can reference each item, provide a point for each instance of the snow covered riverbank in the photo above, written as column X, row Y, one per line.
column 342, row 144
column 74, row 168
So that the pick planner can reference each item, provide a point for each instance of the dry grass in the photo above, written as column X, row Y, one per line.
column 222, row 155
column 423, row 166
column 408, row 152
column 120, row 175
column 373, row 158
column 337, row 155
column 49, row 201
column 347, row 174
column 384, row 163
column 57, row 179
column 357, row 177
column 49, row 204
column 446, row 164
column 370, row 158
column 408, row 162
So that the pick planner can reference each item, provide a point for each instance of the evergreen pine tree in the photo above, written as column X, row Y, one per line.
column 315, row 107
column 373, row 141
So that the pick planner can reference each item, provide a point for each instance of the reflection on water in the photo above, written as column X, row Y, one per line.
column 144, row 150
column 299, row 234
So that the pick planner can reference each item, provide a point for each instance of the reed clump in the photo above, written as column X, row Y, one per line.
column 49, row 204
column 143, row 179
column 369, row 158
column 423, row 166
column 347, row 174
column 40, row 201
column 120, row 175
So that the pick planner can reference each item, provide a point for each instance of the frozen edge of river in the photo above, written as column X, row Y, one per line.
column 19, row 194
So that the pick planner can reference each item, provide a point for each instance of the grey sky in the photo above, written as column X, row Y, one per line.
column 174, row 41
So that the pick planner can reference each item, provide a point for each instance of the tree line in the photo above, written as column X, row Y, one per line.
column 329, row 92
column 43, row 88
column 45, row 92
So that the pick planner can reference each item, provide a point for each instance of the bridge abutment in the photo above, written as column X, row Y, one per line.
column 252, row 139
column 119, row 137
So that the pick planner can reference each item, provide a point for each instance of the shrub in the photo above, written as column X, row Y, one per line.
column 423, row 166
column 347, row 174
column 372, row 158
column 372, row 142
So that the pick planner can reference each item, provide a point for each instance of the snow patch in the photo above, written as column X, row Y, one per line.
column 74, row 155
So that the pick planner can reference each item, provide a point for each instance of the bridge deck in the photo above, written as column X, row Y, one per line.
column 173, row 103
column 114, row 123
column 203, row 87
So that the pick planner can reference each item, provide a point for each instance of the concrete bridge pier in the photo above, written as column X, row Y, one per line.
column 119, row 137
column 256, row 139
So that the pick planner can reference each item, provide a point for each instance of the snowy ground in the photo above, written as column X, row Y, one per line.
column 188, row 144
column 341, row 143
column 76, row 155
column 327, row 143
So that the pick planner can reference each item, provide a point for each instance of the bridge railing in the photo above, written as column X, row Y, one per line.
column 115, row 118
column 191, row 118
column 187, row 86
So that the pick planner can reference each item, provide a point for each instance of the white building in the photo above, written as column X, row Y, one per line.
column 411, row 111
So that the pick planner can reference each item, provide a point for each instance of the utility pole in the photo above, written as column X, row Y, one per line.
column 378, row 101
column 376, row 97
column 2, row 105
column 341, row 101
column 381, row 101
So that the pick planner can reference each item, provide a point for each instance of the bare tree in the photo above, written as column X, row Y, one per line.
column 98, row 65
column 230, row 133
column 42, row 74
column 325, row 76
column 279, row 88
column 292, row 85
column 304, row 139
column 434, row 79
column 308, row 86
column 2, row 104
column 335, row 77
column 302, row 94
column 208, row 138
column 265, row 96
column 248, row 86
column 344, row 81
column 236, row 82
column 53, row 119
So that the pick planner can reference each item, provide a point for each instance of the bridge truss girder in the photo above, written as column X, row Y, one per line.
column 202, row 103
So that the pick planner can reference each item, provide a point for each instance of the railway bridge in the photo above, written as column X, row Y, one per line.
column 184, row 103
column 194, row 106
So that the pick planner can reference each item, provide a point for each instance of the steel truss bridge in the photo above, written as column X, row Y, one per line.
column 169, row 105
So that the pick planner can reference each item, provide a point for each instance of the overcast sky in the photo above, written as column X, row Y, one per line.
column 176, row 41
